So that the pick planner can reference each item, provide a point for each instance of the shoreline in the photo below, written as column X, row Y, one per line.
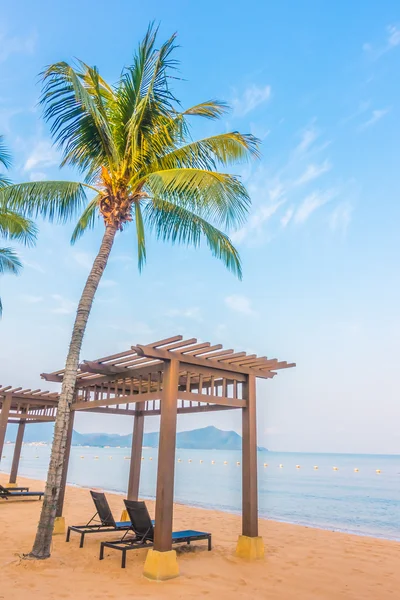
column 200, row 506
column 205, row 507
column 301, row 563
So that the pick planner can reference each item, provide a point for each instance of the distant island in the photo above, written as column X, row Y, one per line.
column 206, row 438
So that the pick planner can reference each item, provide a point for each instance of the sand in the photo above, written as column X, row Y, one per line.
column 301, row 563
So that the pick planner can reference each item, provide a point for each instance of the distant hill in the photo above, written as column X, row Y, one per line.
column 207, row 438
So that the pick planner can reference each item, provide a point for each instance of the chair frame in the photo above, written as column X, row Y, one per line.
column 7, row 493
column 96, row 527
column 145, row 539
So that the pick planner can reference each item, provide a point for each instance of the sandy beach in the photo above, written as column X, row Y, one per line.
column 301, row 562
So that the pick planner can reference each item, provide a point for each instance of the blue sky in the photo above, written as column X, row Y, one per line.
column 319, row 84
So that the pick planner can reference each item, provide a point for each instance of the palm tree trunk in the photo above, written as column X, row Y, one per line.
column 42, row 544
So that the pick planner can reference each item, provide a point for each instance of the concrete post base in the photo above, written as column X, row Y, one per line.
column 124, row 515
column 250, row 547
column 161, row 566
column 59, row 526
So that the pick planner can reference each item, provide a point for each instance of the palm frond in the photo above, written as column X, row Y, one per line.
column 9, row 262
column 53, row 200
column 212, row 109
column 208, row 153
column 140, row 236
column 79, row 123
column 5, row 156
column 14, row 226
column 87, row 219
column 178, row 225
column 145, row 86
column 4, row 181
column 216, row 196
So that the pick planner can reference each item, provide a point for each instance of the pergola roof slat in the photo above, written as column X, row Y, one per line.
column 142, row 360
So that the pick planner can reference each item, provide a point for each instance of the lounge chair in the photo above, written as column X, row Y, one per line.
column 6, row 493
column 142, row 527
column 105, row 524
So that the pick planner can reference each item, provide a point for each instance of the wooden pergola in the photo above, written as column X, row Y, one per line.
column 23, row 406
column 170, row 377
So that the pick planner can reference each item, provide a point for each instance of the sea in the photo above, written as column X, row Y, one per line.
column 353, row 493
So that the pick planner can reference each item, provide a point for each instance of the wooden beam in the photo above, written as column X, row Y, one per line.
column 175, row 338
column 166, row 459
column 17, row 451
column 223, row 400
column 98, row 368
column 123, row 373
column 249, row 461
column 211, row 371
column 41, row 418
column 117, row 400
column 52, row 377
column 201, row 362
column 112, row 411
column 4, row 416
column 136, row 453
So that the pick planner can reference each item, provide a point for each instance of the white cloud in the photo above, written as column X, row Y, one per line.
column 83, row 259
column 10, row 45
column 65, row 306
column 31, row 299
column 393, row 36
column 33, row 265
column 107, row 283
column 311, row 204
column 263, row 214
column 189, row 313
column 313, row 171
column 287, row 217
column 341, row 217
column 391, row 42
column 42, row 155
column 37, row 176
column 308, row 137
column 376, row 116
column 240, row 304
column 135, row 329
column 252, row 97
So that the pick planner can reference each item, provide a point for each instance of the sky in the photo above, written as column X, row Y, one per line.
column 319, row 84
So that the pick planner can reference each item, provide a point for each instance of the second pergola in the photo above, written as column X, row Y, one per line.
column 170, row 377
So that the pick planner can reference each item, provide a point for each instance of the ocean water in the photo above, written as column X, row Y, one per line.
column 363, row 502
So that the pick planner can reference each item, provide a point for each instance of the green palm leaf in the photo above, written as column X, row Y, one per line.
column 225, row 149
column 9, row 263
column 5, row 156
column 14, row 226
column 140, row 234
column 178, row 225
column 217, row 196
column 54, row 200
column 87, row 219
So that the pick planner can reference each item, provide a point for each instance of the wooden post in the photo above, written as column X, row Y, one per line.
column 249, row 461
column 63, row 483
column 5, row 411
column 136, row 454
column 17, row 451
column 166, row 458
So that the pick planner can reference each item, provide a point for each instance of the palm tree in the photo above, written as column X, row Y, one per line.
column 132, row 143
column 13, row 225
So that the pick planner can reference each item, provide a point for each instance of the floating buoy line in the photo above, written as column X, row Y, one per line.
column 214, row 462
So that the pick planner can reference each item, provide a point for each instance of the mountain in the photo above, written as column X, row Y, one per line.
column 207, row 438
